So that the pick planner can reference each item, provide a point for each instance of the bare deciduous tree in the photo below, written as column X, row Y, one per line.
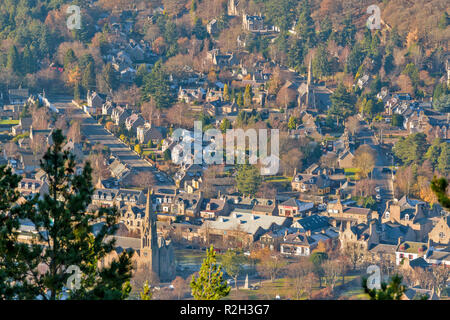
column 299, row 273
column 332, row 272
column 353, row 125
column 180, row 287
column 364, row 160
column 41, row 118
column 144, row 179
column 74, row 132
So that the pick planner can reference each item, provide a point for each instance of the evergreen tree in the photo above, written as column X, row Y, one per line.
column 157, row 87
column 440, row 90
column 439, row 187
column 69, row 58
column 10, row 268
column 225, row 125
column 320, row 63
column 240, row 99
column 292, row 124
column 88, row 77
column 248, row 179
column 232, row 262
column 444, row 21
column 411, row 149
column 226, row 93
column 326, row 29
column 397, row 120
column 140, row 75
column 305, row 24
column 248, row 95
column 392, row 291
column 28, row 61
column 296, row 53
column 111, row 77
column 13, row 63
column 199, row 29
column 355, row 59
column 146, row 293
column 209, row 284
column 342, row 103
column 389, row 63
column 347, row 35
column 280, row 13
column 433, row 152
column 65, row 237
column 443, row 161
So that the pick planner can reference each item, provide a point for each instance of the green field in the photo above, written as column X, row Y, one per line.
column 10, row 122
column 351, row 173
column 284, row 288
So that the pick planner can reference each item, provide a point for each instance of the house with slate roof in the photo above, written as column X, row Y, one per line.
column 294, row 207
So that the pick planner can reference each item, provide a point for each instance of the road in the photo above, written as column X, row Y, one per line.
column 384, row 160
column 96, row 133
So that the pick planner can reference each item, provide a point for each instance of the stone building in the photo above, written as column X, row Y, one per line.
column 156, row 253
column 413, row 213
column 252, row 23
column 342, row 213
column 151, row 252
column 362, row 236
column 441, row 231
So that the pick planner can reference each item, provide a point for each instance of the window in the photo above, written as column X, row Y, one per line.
column 387, row 215
column 441, row 235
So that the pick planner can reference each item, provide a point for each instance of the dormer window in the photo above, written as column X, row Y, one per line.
column 387, row 215
column 406, row 217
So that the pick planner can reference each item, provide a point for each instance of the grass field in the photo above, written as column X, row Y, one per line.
column 284, row 288
column 278, row 179
column 9, row 122
column 351, row 173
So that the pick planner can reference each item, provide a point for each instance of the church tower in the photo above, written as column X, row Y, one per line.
column 149, row 238
column 309, row 88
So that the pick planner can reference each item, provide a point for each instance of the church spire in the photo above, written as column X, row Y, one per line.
column 149, row 233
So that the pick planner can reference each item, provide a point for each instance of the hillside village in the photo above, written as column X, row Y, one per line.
column 363, row 118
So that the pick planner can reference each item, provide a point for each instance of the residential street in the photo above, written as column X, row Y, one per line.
column 96, row 133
